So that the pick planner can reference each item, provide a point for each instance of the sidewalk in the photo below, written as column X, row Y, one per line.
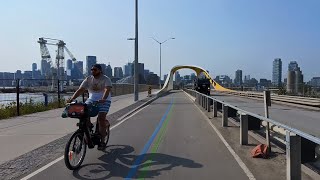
column 23, row 134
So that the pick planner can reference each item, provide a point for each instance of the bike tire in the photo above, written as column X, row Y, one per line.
column 83, row 147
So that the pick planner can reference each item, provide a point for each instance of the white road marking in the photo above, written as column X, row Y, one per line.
column 237, row 158
column 61, row 158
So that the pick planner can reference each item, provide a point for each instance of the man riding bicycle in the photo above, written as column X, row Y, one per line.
column 99, row 87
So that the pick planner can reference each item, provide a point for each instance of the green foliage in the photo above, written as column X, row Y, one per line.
column 10, row 110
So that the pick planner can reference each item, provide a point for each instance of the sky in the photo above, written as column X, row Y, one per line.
column 219, row 35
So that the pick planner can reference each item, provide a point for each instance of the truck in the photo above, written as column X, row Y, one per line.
column 202, row 85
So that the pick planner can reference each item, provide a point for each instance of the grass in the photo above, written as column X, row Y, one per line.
column 10, row 110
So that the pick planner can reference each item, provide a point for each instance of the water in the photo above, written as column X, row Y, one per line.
column 7, row 98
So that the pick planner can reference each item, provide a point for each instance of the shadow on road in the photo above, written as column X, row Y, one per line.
column 119, row 159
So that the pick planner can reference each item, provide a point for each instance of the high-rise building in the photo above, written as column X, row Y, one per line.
column 118, row 73
column 277, row 72
column 177, row 77
column 246, row 79
column 293, row 66
column 128, row 69
column 90, row 61
column 18, row 74
column 69, row 64
column 34, row 69
column 238, row 78
column 146, row 73
column 295, row 78
column 69, row 67
column 45, row 68
column 109, row 71
column 77, row 70
column 103, row 68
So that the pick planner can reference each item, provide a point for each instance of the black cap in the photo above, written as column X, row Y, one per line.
column 98, row 66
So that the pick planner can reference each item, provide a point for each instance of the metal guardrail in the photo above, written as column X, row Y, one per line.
column 300, row 146
column 312, row 102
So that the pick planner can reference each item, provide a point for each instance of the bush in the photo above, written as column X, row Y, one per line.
column 10, row 110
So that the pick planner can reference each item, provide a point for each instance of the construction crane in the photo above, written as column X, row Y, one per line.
column 57, row 71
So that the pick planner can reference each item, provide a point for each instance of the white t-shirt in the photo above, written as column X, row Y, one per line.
column 96, row 87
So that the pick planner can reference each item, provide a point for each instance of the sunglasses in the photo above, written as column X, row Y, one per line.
column 94, row 69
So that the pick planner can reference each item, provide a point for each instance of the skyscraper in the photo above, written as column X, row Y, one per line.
column 77, row 70
column 238, row 78
column 34, row 69
column 69, row 67
column 118, row 73
column 128, row 69
column 277, row 72
column 295, row 78
column 109, row 71
column 293, row 66
column 90, row 61
column 45, row 68
column 177, row 77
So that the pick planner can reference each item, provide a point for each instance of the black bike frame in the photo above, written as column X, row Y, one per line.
column 83, row 127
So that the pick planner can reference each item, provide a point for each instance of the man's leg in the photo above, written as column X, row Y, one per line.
column 102, row 125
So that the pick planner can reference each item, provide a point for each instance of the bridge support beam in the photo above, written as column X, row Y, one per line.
column 215, row 108
column 243, row 129
column 293, row 156
column 225, row 114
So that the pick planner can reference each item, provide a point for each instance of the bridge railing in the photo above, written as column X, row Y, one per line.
column 300, row 146
column 304, row 101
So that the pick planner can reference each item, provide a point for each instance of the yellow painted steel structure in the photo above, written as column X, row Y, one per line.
column 168, row 85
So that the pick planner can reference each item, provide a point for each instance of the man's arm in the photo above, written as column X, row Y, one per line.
column 106, row 93
column 77, row 93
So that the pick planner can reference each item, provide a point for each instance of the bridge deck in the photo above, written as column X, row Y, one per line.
column 184, row 147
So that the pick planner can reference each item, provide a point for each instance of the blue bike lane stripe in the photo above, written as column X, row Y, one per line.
column 146, row 147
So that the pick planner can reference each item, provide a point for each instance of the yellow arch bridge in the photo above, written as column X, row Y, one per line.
column 168, row 85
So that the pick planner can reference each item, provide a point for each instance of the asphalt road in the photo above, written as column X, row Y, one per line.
column 302, row 119
column 169, row 139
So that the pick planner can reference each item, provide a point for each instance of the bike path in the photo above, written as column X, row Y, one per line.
column 169, row 139
column 20, row 135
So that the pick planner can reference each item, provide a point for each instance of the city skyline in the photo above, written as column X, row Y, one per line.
column 246, row 35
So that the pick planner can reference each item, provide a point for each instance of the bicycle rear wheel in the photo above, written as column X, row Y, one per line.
column 75, row 151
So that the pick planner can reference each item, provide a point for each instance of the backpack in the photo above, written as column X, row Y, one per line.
column 260, row 151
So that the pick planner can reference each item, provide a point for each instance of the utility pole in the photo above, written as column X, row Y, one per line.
column 136, row 64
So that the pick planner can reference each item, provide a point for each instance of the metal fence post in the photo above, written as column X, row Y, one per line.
column 243, row 129
column 224, row 115
column 209, row 105
column 18, row 96
column 293, row 156
column 58, row 93
column 215, row 108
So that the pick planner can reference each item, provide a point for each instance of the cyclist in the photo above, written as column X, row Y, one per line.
column 99, row 87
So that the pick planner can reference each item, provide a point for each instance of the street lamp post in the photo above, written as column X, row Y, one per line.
column 160, row 43
column 136, row 75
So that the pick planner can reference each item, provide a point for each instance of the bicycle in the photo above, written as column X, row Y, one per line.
column 76, row 147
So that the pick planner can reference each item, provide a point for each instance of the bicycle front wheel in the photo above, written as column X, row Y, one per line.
column 75, row 151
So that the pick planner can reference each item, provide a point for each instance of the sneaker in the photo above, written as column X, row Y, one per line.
column 102, row 146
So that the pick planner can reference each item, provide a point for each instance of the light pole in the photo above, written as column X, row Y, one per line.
column 160, row 43
column 136, row 75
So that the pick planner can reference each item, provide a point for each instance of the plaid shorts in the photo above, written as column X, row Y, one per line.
column 103, row 107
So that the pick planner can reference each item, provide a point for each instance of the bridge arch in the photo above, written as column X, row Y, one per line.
column 168, row 85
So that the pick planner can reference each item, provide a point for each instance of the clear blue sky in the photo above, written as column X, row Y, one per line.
column 220, row 35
